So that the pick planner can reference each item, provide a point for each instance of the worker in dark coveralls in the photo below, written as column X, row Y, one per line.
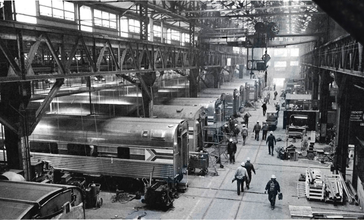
column 257, row 129
column 246, row 119
column 271, row 141
column 249, row 168
column 231, row 149
column 264, row 107
column 273, row 189
column 240, row 177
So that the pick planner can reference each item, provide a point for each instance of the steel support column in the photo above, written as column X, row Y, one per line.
column 315, row 86
column 193, row 79
column 343, row 123
column 324, row 98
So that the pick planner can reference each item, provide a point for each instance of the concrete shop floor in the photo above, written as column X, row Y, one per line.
column 215, row 197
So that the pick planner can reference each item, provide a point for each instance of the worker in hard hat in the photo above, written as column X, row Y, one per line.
column 240, row 176
column 231, row 149
column 244, row 133
column 271, row 141
column 256, row 130
column 236, row 132
column 273, row 189
column 249, row 168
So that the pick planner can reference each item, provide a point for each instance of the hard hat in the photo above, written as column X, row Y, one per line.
column 236, row 124
column 243, row 125
column 271, row 132
column 242, row 164
column 273, row 176
column 248, row 159
column 257, row 121
column 230, row 139
column 225, row 125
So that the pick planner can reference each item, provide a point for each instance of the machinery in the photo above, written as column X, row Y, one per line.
column 272, row 120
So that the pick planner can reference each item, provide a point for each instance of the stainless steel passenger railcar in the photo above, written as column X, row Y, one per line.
column 213, row 106
column 123, row 146
column 195, row 115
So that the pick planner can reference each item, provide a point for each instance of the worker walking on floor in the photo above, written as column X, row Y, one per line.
column 244, row 133
column 249, row 168
column 231, row 149
column 240, row 176
column 271, row 141
column 264, row 107
column 273, row 189
column 256, row 130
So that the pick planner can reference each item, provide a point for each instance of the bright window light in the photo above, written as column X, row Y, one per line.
column 25, row 11
column 280, row 52
column 280, row 64
column 57, row 9
column 293, row 63
column 123, row 27
column 86, row 18
column 295, row 52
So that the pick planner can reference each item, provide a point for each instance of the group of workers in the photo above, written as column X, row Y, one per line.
column 243, row 173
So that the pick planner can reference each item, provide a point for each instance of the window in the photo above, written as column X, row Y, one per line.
column 123, row 27
column 104, row 19
column 134, row 26
column 236, row 49
column 185, row 39
column 293, row 63
column 86, row 18
column 57, row 9
column 295, row 52
column 25, row 11
column 280, row 52
column 169, row 35
column 175, row 35
column 280, row 64
column 157, row 31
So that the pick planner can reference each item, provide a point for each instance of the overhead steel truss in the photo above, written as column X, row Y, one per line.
column 63, row 53
column 343, row 55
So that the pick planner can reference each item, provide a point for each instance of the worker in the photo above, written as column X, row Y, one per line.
column 249, row 168
column 240, row 177
column 271, row 141
column 265, row 130
column 257, row 129
column 244, row 133
column 231, row 149
column 246, row 119
column 273, row 189
column 275, row 95
column 264, row 107
column 236, row 132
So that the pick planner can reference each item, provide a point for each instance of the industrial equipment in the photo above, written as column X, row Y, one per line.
column 272, row 120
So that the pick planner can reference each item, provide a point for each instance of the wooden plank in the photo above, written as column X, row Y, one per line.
column 300, row 211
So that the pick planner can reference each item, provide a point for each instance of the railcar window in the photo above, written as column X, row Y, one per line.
column 104, row 19
column 57, row 9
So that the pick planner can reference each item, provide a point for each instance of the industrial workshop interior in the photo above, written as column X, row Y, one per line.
column 190, row 109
